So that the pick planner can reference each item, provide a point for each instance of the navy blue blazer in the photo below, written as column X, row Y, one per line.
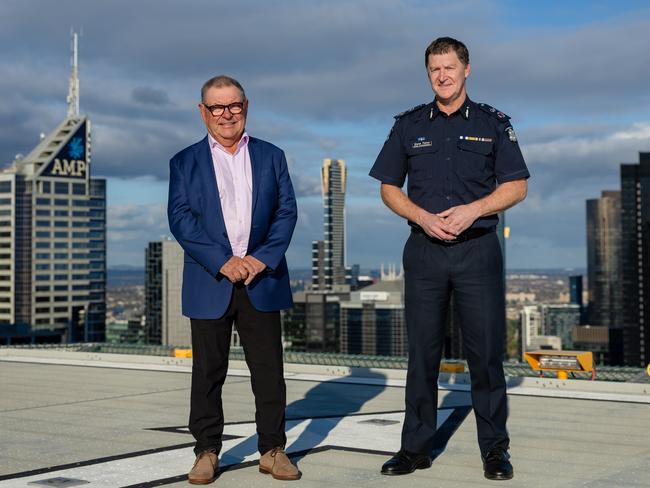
column 196, row 221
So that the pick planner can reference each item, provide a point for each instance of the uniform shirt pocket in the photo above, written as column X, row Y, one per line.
column 474, row 157
column 422, row 161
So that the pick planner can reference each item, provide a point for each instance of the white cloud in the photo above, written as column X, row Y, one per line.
column 131, row 228
column 639, row 133
column 603, row 150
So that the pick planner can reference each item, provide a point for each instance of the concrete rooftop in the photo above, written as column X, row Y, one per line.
column 108, row 420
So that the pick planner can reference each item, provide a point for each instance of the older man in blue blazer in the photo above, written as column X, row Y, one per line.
column 232, row 209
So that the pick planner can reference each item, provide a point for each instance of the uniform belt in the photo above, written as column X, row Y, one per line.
column 465, row 236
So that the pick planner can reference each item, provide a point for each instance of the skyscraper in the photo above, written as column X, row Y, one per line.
column 333, row 180
column 575, row 290
column 164, row 320
column 318, row 265
column 153, row 291
column 53, row 233
column 575, row 295
column 314, row 322
column 635, row 251
column 604, row 259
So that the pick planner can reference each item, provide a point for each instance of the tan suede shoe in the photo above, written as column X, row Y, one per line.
column 205, row 468
column 276, row 463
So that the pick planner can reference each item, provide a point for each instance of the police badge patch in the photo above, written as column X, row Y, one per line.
column 511, row 134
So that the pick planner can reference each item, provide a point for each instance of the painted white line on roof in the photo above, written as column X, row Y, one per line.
column 580, row 395
column 351, row 432
column 98, row 363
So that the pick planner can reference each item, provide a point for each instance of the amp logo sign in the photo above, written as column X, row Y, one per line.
column 71, row 159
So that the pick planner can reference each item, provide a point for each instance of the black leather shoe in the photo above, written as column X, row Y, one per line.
column 496, row 465
column 405, row 462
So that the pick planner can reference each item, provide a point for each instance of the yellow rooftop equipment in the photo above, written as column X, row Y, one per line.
column 452, row 367
column 182, row 353
column 561, row 362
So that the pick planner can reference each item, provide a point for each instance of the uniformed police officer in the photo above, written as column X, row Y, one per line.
column 464, row 166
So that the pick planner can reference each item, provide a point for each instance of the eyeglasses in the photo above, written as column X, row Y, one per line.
column 217, row 110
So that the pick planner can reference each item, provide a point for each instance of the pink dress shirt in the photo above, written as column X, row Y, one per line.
column 235, row 184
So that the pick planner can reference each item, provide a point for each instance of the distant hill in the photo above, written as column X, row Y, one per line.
column 132, row 275
column 124, row 276
column 548, row 271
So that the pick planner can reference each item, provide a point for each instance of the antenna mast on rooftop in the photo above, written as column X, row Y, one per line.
column 73, row 91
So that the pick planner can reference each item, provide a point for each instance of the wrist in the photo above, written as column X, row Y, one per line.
column 420, row 216
column 478, row 209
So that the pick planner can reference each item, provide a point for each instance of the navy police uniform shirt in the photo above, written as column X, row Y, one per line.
column 452, row 159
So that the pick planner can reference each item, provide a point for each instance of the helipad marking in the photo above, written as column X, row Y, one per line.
column 350, row 432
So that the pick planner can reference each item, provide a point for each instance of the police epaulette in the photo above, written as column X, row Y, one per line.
column 410, row 110
column 494, row 112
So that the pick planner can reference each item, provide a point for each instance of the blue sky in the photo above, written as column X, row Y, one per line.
column 324, row 80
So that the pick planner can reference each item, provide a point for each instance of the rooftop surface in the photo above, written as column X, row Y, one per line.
column 109, row 420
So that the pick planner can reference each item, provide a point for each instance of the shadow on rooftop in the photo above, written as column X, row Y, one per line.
column 323, row 407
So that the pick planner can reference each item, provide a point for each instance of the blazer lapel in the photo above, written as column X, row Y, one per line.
column 256, row 154
column 212, row 201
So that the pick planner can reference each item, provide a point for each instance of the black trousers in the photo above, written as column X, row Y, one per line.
column 260, row 336
column 473, row 271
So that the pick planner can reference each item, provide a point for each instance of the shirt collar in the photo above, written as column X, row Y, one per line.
column 465, row 110
column 243, row 142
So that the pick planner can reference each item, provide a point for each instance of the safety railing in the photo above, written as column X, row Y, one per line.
column 605, row 373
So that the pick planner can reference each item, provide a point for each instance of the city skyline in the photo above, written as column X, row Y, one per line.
column 327, row 85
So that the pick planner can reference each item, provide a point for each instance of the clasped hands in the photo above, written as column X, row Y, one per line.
column 448, row 225
column 246, row 268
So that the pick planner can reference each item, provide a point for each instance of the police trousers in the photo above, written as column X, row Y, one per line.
column 473, row 271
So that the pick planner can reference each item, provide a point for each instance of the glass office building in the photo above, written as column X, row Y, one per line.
column 53, row 237
column 635, row 252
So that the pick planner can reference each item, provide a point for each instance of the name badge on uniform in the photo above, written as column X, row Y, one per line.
column 475, row 139
column 421, row 142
